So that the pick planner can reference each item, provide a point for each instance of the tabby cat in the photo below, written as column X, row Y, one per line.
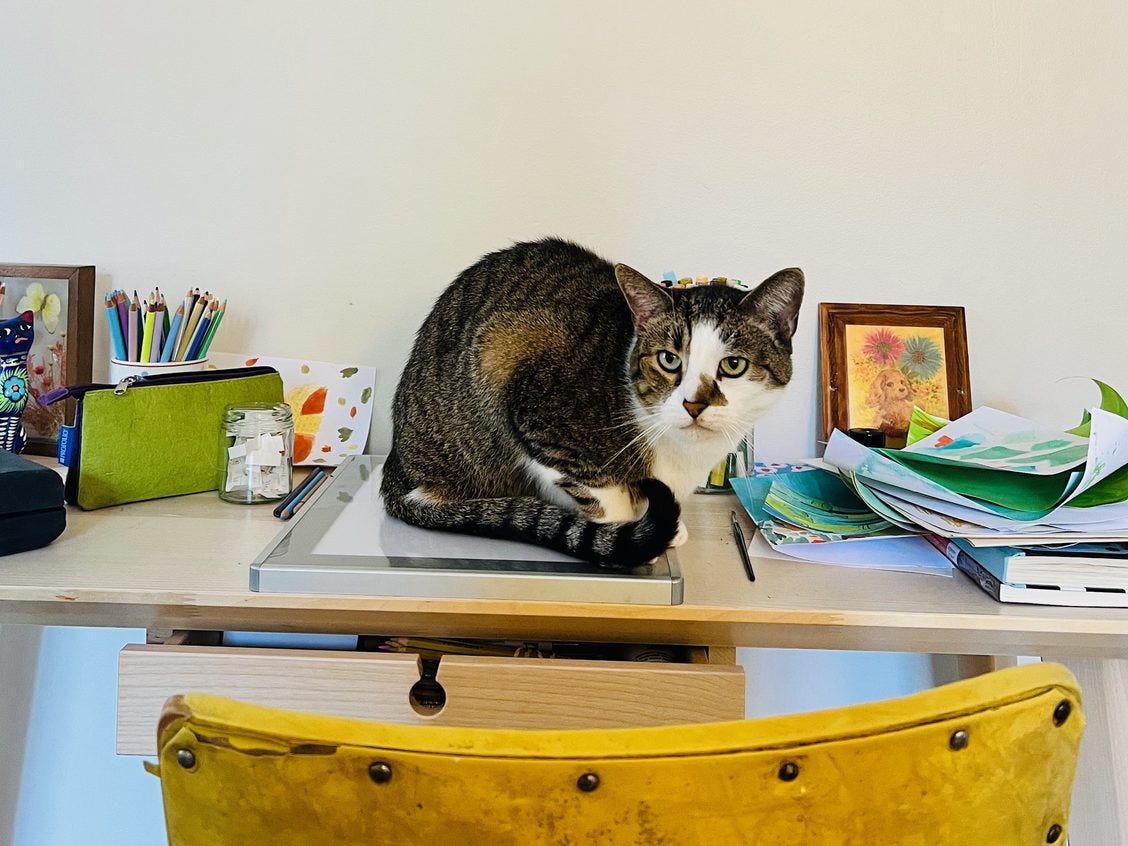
column 554, row 398
column 16, row 334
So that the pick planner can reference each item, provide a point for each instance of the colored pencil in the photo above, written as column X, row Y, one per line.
column 296, row 505
column 131, row 334
column 212, row 330
column 164, row 309
column 173, row 334
column 198, row 335
column 183, row 323
column 147, row 335
column 186, row 305
column 158, row 332
column 297, row 493
column 115, row 326
column 123, row 317
column 189, row 305
column 190, row 323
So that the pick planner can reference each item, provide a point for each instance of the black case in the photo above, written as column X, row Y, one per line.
column 32, row 513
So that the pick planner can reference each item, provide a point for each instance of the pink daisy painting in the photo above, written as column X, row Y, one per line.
column 883, row 347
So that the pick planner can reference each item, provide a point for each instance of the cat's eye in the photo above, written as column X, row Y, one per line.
column 733, row 366
column 669, row 361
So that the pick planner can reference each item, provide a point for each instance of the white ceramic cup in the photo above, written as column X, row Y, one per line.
column 120, row 369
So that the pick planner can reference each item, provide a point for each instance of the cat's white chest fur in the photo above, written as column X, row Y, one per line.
column 684, row 467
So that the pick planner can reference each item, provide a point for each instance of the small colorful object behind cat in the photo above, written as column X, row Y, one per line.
column 16, row 335
column 554, row 398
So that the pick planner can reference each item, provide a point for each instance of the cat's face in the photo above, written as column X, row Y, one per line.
column 710, row 359
column 16, row 334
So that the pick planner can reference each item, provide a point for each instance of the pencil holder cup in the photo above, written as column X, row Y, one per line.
column 257, row 454
column 735, row 464
column 121, row 369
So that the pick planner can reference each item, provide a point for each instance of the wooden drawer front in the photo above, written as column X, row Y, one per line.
column 480, row 691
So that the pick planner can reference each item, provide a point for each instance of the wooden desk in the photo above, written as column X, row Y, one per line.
column 104, row 572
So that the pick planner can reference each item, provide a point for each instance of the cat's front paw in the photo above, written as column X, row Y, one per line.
column 681, row 536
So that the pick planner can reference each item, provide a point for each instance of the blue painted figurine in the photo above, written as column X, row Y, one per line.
column 16, row 334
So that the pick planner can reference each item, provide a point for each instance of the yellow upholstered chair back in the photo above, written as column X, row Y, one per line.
column 985, row 761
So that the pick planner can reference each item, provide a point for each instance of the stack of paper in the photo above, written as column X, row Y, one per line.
column 810, row 513
column 993, row 491
column 998, row 478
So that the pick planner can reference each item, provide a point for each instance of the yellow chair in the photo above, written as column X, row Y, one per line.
column 983, row 762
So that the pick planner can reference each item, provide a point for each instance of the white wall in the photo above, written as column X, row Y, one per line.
column 329, row 167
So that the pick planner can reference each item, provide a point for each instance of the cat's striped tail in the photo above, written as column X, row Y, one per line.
column 619, row 546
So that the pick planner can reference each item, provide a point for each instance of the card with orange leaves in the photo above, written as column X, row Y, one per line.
column 332, row 403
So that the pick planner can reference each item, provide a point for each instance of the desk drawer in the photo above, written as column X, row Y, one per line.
column 479, row 691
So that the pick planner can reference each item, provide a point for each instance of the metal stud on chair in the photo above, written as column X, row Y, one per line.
column 1062, row 712
column 380, row 772
column 587, row 782
column 788, row 771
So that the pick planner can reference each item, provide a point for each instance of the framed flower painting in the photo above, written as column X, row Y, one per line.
column 61, row 302
column 879, row 361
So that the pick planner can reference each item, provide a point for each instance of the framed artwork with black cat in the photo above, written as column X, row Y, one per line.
column 879, row 361
column 46, row 341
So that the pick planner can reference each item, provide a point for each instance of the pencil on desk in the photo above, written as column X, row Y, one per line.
column 312, row 484
column 742, row 548
column 312, row 479
column 297, row 504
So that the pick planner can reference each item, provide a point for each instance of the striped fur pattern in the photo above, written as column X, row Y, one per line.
column 554, row 398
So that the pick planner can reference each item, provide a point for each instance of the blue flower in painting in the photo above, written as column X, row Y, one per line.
column 14, row 389
column 921, row 358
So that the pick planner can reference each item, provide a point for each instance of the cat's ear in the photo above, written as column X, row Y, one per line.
column 646, row 299
column 775, row 304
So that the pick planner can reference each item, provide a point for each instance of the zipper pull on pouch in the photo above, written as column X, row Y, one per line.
column 124, row 384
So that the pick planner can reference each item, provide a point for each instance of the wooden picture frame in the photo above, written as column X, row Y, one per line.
column 877, row 361
column 62, row 351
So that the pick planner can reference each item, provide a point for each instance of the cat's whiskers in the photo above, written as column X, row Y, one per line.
column 630, row 421
column 647, row 434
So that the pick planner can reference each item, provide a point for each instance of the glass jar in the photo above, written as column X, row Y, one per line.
column 256, row 457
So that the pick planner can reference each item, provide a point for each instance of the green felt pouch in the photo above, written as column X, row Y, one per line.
column 153, row 436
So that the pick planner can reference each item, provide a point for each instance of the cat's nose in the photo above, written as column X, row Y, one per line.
column 694, row 408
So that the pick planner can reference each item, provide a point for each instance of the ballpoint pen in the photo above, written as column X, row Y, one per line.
column 742, row 547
